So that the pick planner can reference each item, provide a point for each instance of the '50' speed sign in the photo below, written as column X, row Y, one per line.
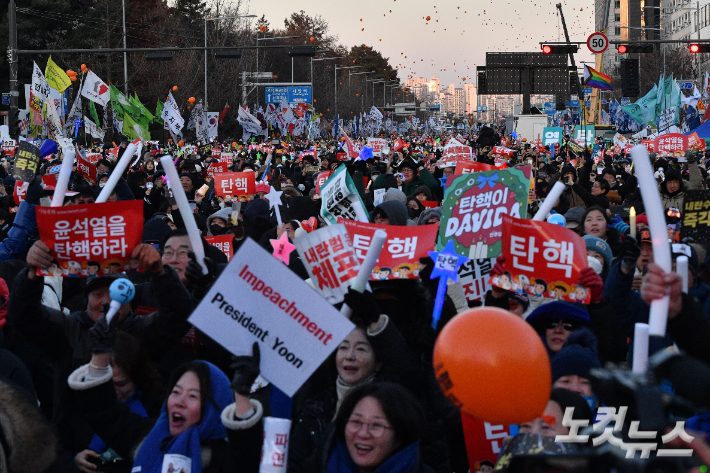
column 597, row 42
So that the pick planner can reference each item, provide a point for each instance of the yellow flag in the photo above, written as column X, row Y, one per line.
column 56, row 77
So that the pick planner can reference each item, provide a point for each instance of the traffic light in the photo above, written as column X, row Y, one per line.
column 227, row 53
column 630, row 78
column 559, row 48
column 15, row 122
column 699, row 48
column 634, row 48
column 159, row 56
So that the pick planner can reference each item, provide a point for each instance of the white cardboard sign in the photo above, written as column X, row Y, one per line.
column 258, row 299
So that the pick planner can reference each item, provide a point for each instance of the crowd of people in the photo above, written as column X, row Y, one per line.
column 148, row 392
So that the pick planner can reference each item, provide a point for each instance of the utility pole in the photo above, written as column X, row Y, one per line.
column 580, row 93
column 125, row 55
column 12, row 59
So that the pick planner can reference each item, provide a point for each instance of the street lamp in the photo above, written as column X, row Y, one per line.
column 362, row 99
column 336, row 83
column 206, row 20
column 375, row 81
column 320, row 59
column 257, row 54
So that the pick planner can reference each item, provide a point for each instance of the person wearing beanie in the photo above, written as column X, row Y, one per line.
column 394, row 194
column 555, row 321
column 599, row 249
column 673, row 188
column 430, row 216
column 422, row 193
column 573, row 217
column 572, row 364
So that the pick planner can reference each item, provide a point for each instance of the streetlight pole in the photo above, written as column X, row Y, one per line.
column 257, row 55
column 362, row 99
column 125, row 57
column 207, row 18
column 336, row 84
column 321, row 59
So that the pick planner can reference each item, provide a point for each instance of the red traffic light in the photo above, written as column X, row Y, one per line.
column 546, row 49
column 694, row 48
column 621, row 49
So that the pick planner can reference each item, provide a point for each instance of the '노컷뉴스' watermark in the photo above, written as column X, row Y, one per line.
column 605, row 415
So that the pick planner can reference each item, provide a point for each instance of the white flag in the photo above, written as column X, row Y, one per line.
column 40, row 87
column 95, row 90
column 93, row 130
column 171, row 115
column 212, row 119
column 375, row 114
column 74, row 114
column 706, row 85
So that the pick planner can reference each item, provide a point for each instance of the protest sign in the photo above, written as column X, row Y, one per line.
column 9, row 146
column 227, row 158
column 562, row 256
column 19, row 194
column 552, row 135
column 378, row 145
column 91, row 240
column 584, row 135
column 695, row 142
column 217, row 168
column 399, row 258
column 258, row 299
column 501, row 151
column 649, row 144
column 93, row 158
column 474, row 205
column 228, row 184
column 340, row 198
column 26, row 162
column 484, row 441
column 216, row 152
column 455, row 150
column 695, row 224
column 328, row 256
column 223, row 243
column 86, row 169
column 321, row 178
column 671, row 142
column 463, row 167
column 473, row 277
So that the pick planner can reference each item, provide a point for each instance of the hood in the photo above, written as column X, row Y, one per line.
column 224, row 214
column 427, row 214
column 396, row 212
column 394, row 194
column 425, row 190
column 155, row 230
column 257, row 214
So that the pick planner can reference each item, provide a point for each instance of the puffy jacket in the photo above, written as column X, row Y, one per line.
column 676, row 198
column 22, row 233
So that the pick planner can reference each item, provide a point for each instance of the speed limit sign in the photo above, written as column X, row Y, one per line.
column 597, row 42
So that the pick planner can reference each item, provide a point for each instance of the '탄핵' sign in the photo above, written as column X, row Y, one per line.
column 258, row 299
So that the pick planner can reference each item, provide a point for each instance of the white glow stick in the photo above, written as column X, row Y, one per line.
column 640, row 364
column 549, row 202
column 658, row 317
column 60, row 189
column 681, row 267
column 632, row 223
column 366, row 267
column 184, row 206
column 117, row 173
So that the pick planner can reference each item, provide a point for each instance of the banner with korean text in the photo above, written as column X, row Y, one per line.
column 542, row 259
column 400, row 255
column 340, row 198
column 258, row 299
column 474, row 206
column 695, row 225
column 223, row 243
column 228, row 184
column 91, row 240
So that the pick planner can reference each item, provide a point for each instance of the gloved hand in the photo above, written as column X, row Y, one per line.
column 193, row 271
column 618, row 223
column 364, row 305
column 246, row 369
column 590, row 279
column 102, row 335
column 629, row 253
column 35, row 191
column 498, row 268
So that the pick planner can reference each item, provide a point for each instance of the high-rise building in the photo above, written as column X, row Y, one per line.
column 470, row 93
column 459, row 102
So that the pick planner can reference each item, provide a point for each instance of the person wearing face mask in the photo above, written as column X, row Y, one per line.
column 65, row 338
column 217, row 222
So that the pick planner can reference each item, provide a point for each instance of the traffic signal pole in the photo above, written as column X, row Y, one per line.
column 580, row 93
column 12, row 59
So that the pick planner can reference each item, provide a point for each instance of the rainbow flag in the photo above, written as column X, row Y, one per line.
column 596, row 79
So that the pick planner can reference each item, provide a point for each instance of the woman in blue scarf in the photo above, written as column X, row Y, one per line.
column 202, row 411
column 377, row 430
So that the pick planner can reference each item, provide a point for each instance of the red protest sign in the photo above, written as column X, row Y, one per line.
column 501, row 151
column 223, row 243
column 695, row 142
column 649, row 144
column 430, row 204
column 227, row 158
column 90, row 240
column 542, row 259
column 321, row 178
column 216, row 152
column 86, row 169
column 671, row 142
column 484, row 441
column 234, row 183
column 400, row 255
column 464, row 167
column 19, row 194
column 216, row 168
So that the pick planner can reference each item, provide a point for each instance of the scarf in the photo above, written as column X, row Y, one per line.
column 159, row 443
column 403, row 461
column 343, row 389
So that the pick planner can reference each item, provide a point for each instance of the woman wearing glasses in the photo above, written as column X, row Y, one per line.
column 378, row 428
column 555, row 321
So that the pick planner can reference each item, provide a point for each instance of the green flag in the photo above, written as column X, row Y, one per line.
column 134, row 130
column 92, row 112
column 644, row 110
column 138, row 106
column 159, row 112
column 115, row 103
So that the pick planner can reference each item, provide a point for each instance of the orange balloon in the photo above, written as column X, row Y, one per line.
column 312, row 39
column 83, row 66
column 234, row 144
column 493, row 365
column 170, row 140
column 167, row 98
column 181, row 143
column 188, row 107
column 262, row 28
column 428, row 18
column 191, row 100
column 73, row 78
column 175, row 88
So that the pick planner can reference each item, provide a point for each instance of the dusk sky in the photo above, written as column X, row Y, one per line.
column 456, row 38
